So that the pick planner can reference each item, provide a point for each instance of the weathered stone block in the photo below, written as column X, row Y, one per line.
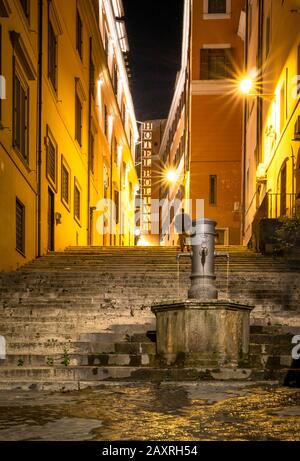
column 203, row 333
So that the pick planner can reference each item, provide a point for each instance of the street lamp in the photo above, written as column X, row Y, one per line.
column 170, row 176
column 246, row 86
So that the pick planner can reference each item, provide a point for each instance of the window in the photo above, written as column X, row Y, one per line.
column 215, row 64
column 78, row 119
column 123, row 112
column 213, row 190
column 25, row 7
column 216, row 6
column 282, row 106
column 65, row 184
column 52, row 56
column 92, row 79
column 298, row 71
column 20, row 227
column 106, row 39
column 115, row 79
column 250, row 18
column 79, row 28
column 105, row 121
column 2, row 81
column 51, row 160
column 77, row 200
column 92, row 153
column 268, row 35
column 117, row 206
column 20, row 117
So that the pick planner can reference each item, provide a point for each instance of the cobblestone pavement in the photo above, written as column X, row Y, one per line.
column 191, row 411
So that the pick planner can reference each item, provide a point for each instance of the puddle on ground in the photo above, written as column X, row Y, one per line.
column 191, row 411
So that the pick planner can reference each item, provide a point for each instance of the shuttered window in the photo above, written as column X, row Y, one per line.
column 77, row 208
column 20, row 117
column 65, row 185
column 51, row 160
column 78, row 119
column 20, row 226
column 52, row 56
column 215, row 64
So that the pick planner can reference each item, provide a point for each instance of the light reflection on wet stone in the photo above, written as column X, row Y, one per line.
column 193, row 411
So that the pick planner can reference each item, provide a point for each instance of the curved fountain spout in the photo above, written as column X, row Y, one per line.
column 182, row 255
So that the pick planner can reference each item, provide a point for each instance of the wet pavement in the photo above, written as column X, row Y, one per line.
column 191, row 411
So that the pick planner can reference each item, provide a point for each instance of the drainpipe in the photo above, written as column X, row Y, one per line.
column 39, row 124
column 89, row 147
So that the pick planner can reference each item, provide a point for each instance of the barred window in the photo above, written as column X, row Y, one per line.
column 20, row 226
column 20, row 117
column 77, row 205
column 65, row 185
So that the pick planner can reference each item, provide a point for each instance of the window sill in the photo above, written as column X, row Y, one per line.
column 213, row 17
column 66, row 205
column 21, row 253
column 51, row 183
column 23, row 159
column 77, row 221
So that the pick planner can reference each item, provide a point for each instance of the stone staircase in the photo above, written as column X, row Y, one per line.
column 77, row 318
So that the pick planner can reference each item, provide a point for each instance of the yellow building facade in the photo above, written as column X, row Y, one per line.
column 272, row 119
column 68, row 130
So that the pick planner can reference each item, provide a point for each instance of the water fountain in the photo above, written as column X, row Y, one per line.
column 203, row 331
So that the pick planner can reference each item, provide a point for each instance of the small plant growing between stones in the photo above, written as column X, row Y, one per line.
column 50, row 361
column 20, row 362
column 66, row 358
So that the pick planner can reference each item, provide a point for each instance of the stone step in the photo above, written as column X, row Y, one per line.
column 103, row 373
column 78, row 359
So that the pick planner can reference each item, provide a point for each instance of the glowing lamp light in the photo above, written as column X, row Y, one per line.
column 137, row 232
column 246, row 85
column 171, row 176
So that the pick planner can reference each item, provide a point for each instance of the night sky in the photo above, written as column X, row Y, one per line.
column 155, row 33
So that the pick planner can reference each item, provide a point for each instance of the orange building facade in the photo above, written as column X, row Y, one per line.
column 216, row 114
column 213, row 58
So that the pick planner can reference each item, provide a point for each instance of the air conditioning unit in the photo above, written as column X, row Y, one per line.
column 297, row 128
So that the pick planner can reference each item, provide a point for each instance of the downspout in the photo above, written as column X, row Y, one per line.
column 39, row 124
column 89, row 147
column 245, row 127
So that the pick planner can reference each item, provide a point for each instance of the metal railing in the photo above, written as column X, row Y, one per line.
column 281, row 205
